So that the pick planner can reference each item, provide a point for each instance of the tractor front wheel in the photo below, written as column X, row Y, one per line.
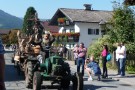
column 29, row 75
column 37, row 81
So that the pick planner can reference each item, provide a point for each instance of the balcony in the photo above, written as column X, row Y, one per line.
column 66, row 37
column 63, row 22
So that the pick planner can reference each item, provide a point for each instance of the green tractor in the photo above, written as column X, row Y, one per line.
column 56, row 70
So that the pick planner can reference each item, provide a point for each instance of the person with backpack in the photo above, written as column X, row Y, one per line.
column 104, row 61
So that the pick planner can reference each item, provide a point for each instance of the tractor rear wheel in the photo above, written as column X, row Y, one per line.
column 29, row 74
column 37, row 81
column 77, row 80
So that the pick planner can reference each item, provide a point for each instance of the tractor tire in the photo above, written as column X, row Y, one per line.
column 37, row 81
column 65, row 83
column 29, row 75
column 66, row 68
column 77, row 80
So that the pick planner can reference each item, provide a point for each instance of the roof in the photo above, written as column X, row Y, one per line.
column 4, row 31
column 82, row 15
column 53, row 29
column 86, row 15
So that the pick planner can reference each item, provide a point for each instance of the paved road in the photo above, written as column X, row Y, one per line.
column 15, row 82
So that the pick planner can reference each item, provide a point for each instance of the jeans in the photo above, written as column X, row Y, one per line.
column 122, row 66
column 80, row 61
column 118, row 66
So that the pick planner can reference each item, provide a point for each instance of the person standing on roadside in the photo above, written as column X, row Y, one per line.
column 117, row 58
column 104, row 61
column 2, row 67
column 75, row 51
column 81, row 57
column 122, row 59
column 65, row 50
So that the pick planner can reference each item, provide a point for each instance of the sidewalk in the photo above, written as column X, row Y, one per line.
column 128, row 79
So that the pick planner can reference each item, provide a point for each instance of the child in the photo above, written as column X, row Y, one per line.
column 92, row 68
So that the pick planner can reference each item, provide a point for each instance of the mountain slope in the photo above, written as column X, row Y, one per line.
column 8, row 21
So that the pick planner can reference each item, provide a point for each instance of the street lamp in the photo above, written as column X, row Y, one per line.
column 102, row 24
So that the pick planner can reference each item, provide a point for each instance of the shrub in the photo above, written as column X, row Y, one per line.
column 96, row 47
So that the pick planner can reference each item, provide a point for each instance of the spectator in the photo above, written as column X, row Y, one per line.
column 75, row 51
column 122, row 59
column 81, row 57
column 60, row 51
column 117, row 58
column 2, row 67
column 104, row 61
column 92, row 68
column 64, row 51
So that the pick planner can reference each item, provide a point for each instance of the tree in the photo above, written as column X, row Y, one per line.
column 28, row 24
column 123, row 24
column 129, row 2
column 13, row 37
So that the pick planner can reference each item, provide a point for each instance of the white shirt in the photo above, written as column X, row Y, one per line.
column 117, row 53
column 123, row 48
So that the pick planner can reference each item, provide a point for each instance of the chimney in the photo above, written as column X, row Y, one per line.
column 88, row 6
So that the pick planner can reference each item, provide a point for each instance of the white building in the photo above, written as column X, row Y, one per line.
column 84, row 21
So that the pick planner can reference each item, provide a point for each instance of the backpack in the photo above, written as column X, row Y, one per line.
column 108, row 57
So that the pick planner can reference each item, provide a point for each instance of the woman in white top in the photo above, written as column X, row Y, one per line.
column 117, row 58
column 122, row 59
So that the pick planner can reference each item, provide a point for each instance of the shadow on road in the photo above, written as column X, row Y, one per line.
column 11, row 74
column 93, row 87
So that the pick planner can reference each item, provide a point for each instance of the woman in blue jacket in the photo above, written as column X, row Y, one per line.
column 92, row 68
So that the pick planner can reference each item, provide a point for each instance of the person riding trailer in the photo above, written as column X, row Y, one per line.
column 47, row 41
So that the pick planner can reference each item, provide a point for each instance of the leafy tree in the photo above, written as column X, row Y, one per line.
column 13, row 37
column 129, row 2
column 5, row 39
column 10, row 38
column 28, row 23
column 123, row 25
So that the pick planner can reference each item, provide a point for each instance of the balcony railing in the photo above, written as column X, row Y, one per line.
column 63, row 22
column 67, row 37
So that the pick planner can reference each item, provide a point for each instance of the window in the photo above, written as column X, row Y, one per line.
column 64, row 31
column 93, row 31
column 72, row 30
column 89, row 31
column 97, row 31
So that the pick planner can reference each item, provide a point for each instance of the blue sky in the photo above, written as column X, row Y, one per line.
column 47, row 8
